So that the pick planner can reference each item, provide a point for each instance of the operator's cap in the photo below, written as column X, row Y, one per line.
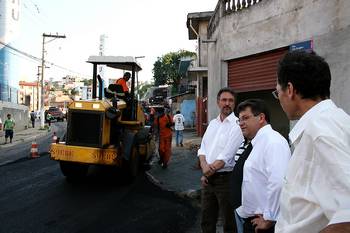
column 127, row 75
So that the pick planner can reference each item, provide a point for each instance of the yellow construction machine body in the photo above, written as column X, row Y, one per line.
column 105, row 131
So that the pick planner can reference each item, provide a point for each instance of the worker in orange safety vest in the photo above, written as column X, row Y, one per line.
column 123, row 82
column 164, row 122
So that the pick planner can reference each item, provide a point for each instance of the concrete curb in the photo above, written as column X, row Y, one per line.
column 188, row 194
column 192, row 144
column 154, row 180
column 191, row 194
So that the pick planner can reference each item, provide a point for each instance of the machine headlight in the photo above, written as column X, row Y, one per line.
column 95, row 106
column 78, row 105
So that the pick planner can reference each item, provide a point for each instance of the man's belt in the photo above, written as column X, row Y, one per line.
column 220, row 174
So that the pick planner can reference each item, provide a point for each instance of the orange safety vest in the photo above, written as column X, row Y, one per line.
column 122, row 82
column 162, row 122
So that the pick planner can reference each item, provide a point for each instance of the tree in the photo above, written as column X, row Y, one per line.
column 166, row 68
column 74, row 92
column 87, row 82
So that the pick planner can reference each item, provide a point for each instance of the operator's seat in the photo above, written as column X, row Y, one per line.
column 114, row 90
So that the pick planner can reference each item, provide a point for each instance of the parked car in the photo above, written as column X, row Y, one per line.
column 56, row 113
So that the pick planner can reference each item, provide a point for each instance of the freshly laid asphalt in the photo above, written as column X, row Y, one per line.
column 182, row 176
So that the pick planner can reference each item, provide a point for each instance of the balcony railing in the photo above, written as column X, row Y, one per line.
column 236, row 5
column 225, row 7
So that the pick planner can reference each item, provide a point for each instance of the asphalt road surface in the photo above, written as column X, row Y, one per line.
column 36, row 198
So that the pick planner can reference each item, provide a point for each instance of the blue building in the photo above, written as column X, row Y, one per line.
column 9, row 62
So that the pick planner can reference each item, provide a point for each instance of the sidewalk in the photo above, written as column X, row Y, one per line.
column 182, row 175
column 22, row 136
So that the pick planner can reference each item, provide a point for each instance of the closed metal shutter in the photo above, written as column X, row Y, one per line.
column 255, row 72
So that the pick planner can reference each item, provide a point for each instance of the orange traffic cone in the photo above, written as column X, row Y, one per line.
column 34, row 150
column 54, row 138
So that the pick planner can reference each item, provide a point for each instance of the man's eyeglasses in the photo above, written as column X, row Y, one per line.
column 275, row 94
column 245, row 118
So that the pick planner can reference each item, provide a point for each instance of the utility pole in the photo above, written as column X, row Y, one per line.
column 42, row 120
column 37, row 90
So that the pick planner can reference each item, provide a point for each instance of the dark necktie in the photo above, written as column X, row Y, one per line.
column 237, row 174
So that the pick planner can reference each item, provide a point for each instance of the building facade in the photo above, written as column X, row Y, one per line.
column 197, row 25
column 28, row 95
column 247, row 38
column 9, row 63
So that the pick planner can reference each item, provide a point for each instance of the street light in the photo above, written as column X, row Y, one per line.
column 137, row 78
column 42, row 120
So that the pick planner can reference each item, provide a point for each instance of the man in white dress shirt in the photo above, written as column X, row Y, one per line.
column 316, row 193
column 219, row 144
column 264, row 168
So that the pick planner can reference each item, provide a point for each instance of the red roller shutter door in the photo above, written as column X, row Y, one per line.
column 256, row 72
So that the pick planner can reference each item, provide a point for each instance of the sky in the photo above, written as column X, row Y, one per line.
column 149, row 28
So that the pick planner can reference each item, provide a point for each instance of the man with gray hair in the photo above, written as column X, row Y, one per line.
column 219, row 144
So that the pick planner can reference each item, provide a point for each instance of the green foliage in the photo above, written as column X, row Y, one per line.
column 56, row 86
column 166, row 68
column 65, row 91
column 74, row 92
column 87, row 82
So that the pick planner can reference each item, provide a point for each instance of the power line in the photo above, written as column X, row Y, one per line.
column 39, row 59
column 31, row 12
column 36, row 6
column 28, row 15
column 67, row 69
column 20, row 52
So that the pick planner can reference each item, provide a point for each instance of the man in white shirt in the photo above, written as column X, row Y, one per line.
column 219, row 144
column 316, row 193
column 179, row 121
column 263, row 169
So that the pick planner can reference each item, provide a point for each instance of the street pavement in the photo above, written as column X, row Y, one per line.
column 181, row 177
